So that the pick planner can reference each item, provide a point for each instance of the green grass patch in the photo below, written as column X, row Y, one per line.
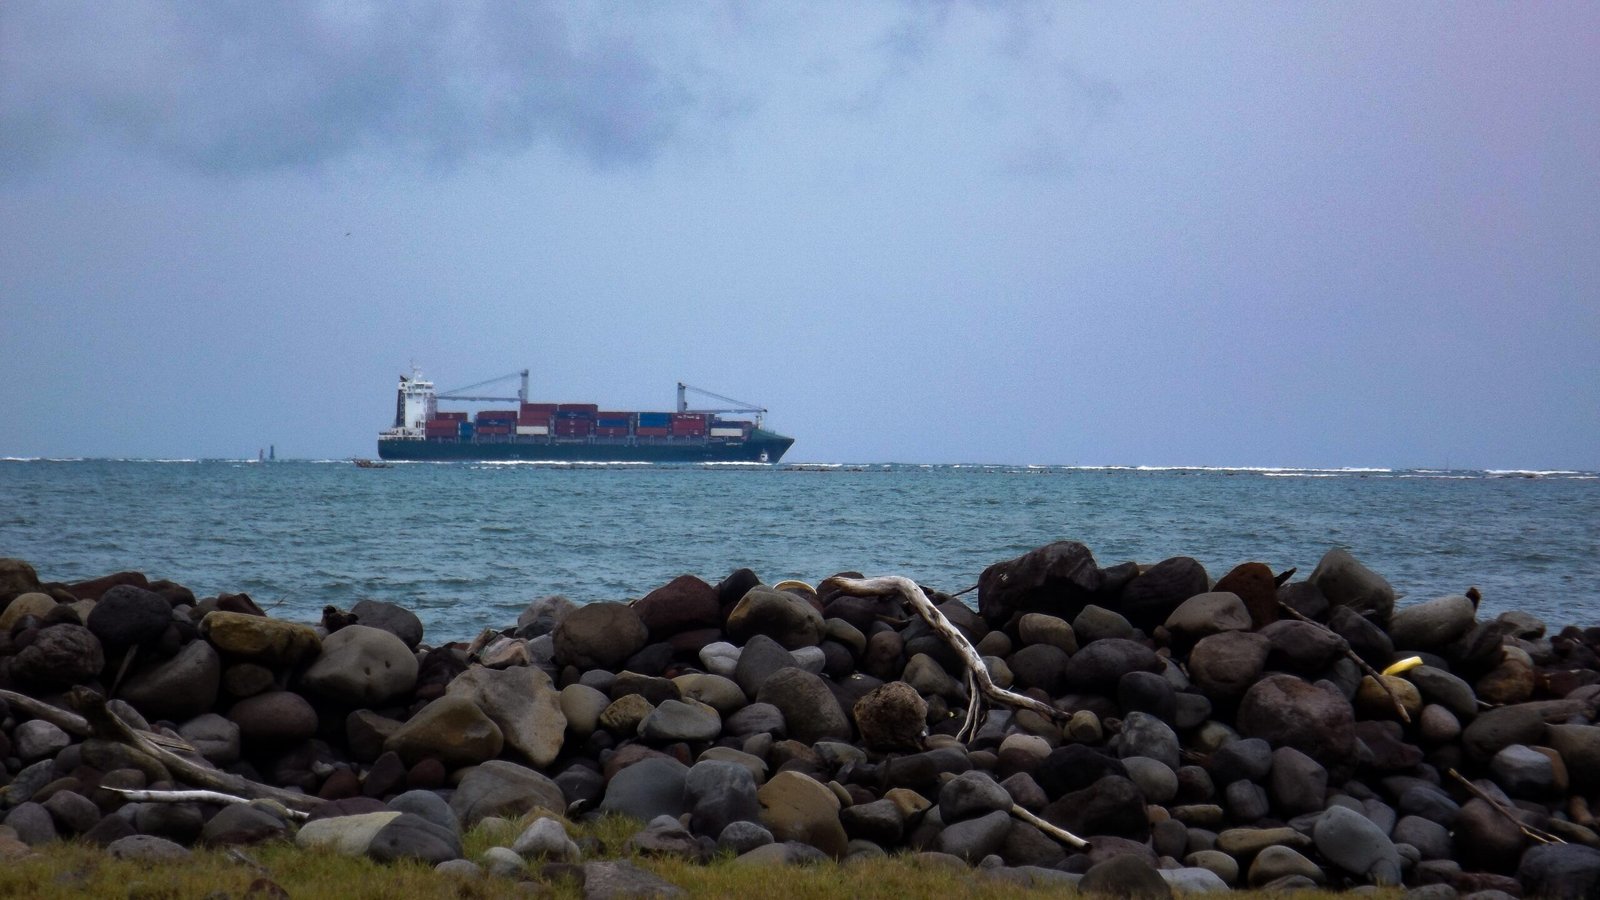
column 76, row 870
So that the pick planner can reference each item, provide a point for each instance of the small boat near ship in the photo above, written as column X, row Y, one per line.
column 572, row 432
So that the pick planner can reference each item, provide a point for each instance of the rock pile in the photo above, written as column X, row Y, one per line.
column 1209, row 734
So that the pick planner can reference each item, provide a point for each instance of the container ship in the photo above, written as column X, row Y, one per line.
column 571, row 432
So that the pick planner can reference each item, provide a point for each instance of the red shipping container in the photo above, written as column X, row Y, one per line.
column 528, row 418
column 545, row 408
column 611, row 432
column 590, row 408
column 450, row 416
column 649, row 431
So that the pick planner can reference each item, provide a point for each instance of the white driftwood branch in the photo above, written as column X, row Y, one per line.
column 146, row 796
column 108, row 725
column 977, row 673
column 1055, row 831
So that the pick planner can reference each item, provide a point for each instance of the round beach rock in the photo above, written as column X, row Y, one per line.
column 362, row 666
column 179, row 688
column 599, row 636
column 786, row 618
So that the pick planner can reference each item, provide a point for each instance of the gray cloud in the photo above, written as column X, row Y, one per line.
column 237, row 88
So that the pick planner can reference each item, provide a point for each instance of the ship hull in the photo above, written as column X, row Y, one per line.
column 762, row 446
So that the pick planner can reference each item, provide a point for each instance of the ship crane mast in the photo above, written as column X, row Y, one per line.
column 739, row 406
column 462, row 393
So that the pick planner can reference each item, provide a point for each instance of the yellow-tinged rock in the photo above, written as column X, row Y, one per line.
column 796, row 807
column 29, row 604
column 451, row 729
column 1373, row 703
column 271, row 642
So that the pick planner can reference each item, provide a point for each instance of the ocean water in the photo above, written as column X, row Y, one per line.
column 469, row 545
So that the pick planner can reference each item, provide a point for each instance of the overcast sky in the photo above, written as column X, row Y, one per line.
column 1323, row 234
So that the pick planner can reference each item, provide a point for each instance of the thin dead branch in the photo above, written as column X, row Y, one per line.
column 977, row 673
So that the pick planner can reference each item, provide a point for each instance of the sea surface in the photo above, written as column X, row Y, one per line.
column 468, row 545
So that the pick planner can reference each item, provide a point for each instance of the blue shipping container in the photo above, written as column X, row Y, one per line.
column 655, row 420
column 466, row 429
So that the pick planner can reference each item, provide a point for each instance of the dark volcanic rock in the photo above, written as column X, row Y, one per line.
column 59, row 657
column 1099, row 666
column 1346, row 582
column 1286, row 711
column 1301, row 647
column 1148, row 600
column 1074, row 767
column 127, row 615
column 391, row 617
column 1112, row 805
column 1059, row 579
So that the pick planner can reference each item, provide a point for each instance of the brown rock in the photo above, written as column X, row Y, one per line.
column 1287, row 711
column 892, row 717
column 1225, row 665
column 451, row 729
column 1256, row 586
column 797, row 808
column 683, row 604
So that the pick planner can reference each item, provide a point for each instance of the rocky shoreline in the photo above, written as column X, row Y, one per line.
column 1200, row 734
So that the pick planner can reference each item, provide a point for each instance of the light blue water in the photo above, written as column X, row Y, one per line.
column 469, row 545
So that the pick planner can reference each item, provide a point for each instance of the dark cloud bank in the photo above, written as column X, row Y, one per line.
column 237, row 88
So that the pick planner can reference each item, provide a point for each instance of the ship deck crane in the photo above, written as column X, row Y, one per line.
column 739, row 406
column 462, row 393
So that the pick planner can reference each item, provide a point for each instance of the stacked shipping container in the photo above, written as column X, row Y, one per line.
column 581, row 420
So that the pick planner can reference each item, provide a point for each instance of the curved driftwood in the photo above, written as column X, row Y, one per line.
column 979, row 682
column 106, row 724
column 64, row 719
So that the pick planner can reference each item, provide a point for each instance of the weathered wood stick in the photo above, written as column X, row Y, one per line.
column 64, row 719
column 1060, row 834
column 108, row 725
column 1538, row 834
column 912, row 595
column 147, row 796
column 1353, row 657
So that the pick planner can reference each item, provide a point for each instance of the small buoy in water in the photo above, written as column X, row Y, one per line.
column 1404, row 665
